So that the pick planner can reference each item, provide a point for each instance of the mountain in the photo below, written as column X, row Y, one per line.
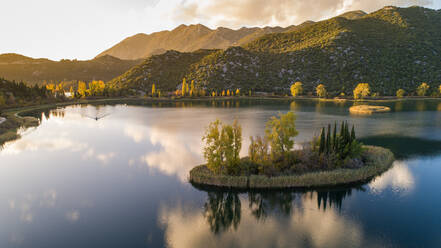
column 391, row 48
column 185, row 39
column 194, row 37
column 35, row 71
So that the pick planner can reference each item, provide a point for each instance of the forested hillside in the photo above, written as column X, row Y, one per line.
column 390, row 49
column 37, row 71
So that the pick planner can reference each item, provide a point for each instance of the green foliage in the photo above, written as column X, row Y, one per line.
column 280, row 133
column 341, row 146
column 258, row 150
column 13, row 93
column 222, row 146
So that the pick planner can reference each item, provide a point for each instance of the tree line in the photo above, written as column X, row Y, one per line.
column 363, row 90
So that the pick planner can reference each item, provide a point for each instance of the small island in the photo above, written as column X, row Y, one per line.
column 368, row 109
column 335, row 157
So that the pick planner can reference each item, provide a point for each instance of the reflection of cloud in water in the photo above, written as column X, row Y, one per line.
column 307, row 226
column 398, row 178
column 25, row 205
column 138, row 133
column 177, row 155
column 44, row 144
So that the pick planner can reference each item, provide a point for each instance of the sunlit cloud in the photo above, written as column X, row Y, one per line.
column 399, row 179
column 238, row 13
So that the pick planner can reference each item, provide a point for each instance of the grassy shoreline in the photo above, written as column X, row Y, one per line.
column 379, row 160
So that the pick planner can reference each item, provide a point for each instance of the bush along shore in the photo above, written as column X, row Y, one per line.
column 335, row 157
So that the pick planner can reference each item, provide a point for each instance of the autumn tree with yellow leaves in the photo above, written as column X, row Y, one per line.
column 321, row 91
column 362, row 90
column 423, row 89
column 296, row 89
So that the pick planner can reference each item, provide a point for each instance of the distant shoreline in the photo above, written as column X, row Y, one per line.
column 9, row 127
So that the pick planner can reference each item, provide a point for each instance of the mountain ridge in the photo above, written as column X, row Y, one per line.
column 390, row 48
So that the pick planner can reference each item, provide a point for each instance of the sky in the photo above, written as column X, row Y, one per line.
column 81, row 29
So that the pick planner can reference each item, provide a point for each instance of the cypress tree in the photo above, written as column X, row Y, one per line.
column 342, row 129
column 334, row 137
column 353, row 134
column 348, row 135
column 322, row 141
column 328, row 140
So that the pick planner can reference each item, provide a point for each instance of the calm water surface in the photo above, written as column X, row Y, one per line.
column 121, row 181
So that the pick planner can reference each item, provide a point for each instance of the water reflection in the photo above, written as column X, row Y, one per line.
column 399, row 179
column 117, row 178
column 405, row 146
column 223, row 208
column 274, row 219
column 222, row 211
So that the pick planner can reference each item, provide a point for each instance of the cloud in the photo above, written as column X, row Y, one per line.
column 238, row 13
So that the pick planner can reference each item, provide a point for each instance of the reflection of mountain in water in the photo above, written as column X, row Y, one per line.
column 405, row 147
column 222, row 209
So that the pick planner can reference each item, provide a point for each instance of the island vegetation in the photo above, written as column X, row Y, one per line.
column 334, row 157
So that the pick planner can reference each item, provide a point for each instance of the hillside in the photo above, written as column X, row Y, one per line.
column 36, row 71
column 164, row 70
column 391, row 48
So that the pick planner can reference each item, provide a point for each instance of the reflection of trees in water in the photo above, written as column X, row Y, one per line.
column 332, row 198
column 261, row 204
column 222, row 209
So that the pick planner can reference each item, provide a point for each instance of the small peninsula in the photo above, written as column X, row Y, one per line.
column 335, row 157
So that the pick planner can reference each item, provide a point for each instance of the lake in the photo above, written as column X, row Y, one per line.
column 121, row 180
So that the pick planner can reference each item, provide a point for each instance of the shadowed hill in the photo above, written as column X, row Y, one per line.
column 36, row 71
